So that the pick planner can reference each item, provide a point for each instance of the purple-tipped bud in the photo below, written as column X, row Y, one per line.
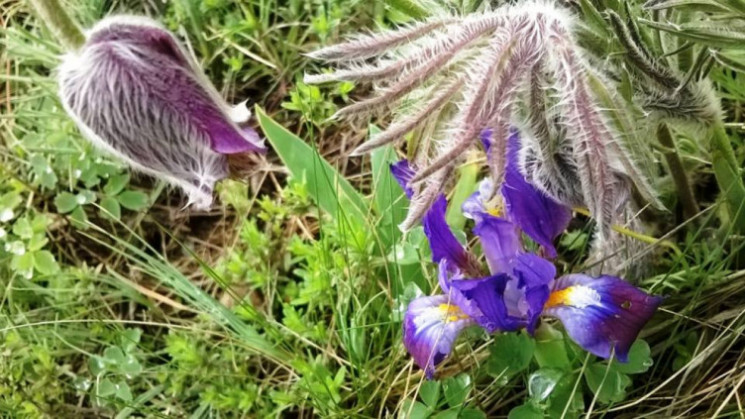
column 135, row 92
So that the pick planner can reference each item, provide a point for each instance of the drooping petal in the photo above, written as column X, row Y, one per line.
column 441, row 239
column 486, row 302
column 534, row 275
column 403, row 173
column 603, row 314
column 538, row 215
column 431, row 326
column 135, row 93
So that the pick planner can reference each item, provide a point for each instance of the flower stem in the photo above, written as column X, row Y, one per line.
column 677, row 171
column 58, row 21
column 729, row 178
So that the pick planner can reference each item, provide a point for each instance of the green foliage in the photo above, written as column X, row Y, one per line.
column 443, row 400
column 288, row 299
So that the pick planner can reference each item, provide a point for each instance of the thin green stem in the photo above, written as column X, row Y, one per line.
column 58, row 21
column 677, row 171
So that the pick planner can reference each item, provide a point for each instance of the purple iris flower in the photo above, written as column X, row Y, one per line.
column 136, row 93
column 603, row 315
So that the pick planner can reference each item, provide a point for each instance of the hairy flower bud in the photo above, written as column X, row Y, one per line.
column 136, row 93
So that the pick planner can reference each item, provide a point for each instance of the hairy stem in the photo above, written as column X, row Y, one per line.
column 59, row 22
column 677, row 171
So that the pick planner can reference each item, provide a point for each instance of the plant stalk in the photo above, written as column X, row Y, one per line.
column 677, row 171
column 727, row 173
column 59, row 22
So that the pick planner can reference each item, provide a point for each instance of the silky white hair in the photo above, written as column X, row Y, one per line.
column 134, row 92
column 481, row 71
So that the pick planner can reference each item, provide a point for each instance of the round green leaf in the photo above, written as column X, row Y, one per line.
column 429, row 392
column 65, row 202
column 526, row 411
column 456, row 389
column 639, row 360
column 133, row 200
column 44, row 262
column 111, row 208
column 123, row 392
column 510, row 354
column 550, row 348
column 413, row 410
column 78, row 218
column 607, row 384
column 106, row 388
column 116, row 184
column 565, row 394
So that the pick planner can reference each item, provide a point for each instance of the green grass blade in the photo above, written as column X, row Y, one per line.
column 389, row 200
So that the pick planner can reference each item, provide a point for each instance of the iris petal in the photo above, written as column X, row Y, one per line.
column 534, row 275
column 441, row 239
column 431, row 326
column 500, row 242
column 486, row 302
column 538, row 215
column 603, row 314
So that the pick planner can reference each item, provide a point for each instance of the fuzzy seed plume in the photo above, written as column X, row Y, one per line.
column 471, row 73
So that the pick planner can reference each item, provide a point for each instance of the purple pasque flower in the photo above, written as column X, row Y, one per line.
column 603, row 315
column 136, row 93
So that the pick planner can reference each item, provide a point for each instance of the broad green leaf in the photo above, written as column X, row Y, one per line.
column 111, row 207
column 9, row 201
column 129, row 338
column 526, row 411
column 23, row 263
column 550, row 349
column 44, row 262
column 456, row 389
column 471, row 413
column 429, row 392
column 451, row 413
column 133, row 200
column 510, row 354
column 113, row 355
column 79, row 218
column 606, row 383
column 106, row 388
column 390, row 203
column 404, row 254
column 326, row 185
column 564, row 393
column 85, row 197
column 123, row 392
column 65, row 202
column 22, row 228
column 96, row 365
column 116, row 184
column 639, row 359
column 130, row 366
column 413, row 410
